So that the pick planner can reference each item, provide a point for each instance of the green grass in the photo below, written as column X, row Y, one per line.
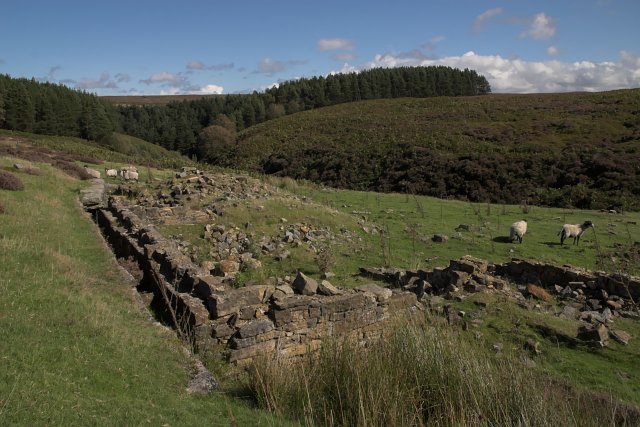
column 412, row 220
column 77, row 349
column 612, row 370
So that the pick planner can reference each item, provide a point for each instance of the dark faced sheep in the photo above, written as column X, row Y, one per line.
column 574, row 230
column 518, row 230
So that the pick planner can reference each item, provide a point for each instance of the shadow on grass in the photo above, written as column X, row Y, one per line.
column 502, row 239
column 552, row 243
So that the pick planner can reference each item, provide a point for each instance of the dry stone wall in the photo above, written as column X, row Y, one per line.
column 270, row 318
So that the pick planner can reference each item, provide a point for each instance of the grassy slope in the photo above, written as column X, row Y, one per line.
column 117, row 148
column 493, row 123
column 77, row 349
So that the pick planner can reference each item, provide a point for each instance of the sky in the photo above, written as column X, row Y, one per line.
column 141, row 47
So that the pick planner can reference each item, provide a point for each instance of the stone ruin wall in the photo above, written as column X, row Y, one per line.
column 271, row 319
column 253, row 320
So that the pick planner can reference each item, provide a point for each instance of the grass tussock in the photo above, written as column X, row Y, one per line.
column 422, row 375
column 9, row 181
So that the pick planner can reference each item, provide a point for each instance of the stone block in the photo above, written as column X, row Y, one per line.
column 262, row 348
column 255, row 328
column 326, row 288
column 401, row 300
column 232, row 301
column 380, row 293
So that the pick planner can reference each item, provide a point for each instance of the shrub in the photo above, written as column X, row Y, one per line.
column 9, row 181
column 72, row 169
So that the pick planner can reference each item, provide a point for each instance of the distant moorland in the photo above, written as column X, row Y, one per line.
column 566, row 150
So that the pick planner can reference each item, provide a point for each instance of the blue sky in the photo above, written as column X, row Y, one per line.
column 174, row 47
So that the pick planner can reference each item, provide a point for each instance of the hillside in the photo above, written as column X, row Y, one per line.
column 238, row 235
column 574, row 149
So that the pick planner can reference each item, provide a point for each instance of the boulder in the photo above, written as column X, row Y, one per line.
column 305, row 285
column 598, row 335
column 621, row 336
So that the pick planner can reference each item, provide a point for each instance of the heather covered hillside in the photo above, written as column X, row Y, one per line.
column 573, row 149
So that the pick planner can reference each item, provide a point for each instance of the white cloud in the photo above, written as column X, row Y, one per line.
column 481, row 20
column 271, row 66
column 199, row 66
column 162, row 77
column 519, row 76
column 209, row 90
column 541, row 27
column 334, row 44
column 552, row 51
column 104, row 82
column 195, row 65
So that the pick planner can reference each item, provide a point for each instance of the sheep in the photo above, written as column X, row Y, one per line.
column 94, row 173
column 574, row 230
column 122, row 173
column 111, row 172
column 518, row 230
column 130, row 175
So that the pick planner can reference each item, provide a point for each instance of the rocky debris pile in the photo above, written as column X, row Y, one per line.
column 226, row 242
column 594, row 299
column 299, row 233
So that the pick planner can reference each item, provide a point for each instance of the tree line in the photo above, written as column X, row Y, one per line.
column 28, row 105
column 179, row 125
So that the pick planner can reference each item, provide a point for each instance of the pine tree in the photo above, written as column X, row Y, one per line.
column 19, row 109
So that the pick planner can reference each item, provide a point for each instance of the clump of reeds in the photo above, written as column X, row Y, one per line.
column 419, row 375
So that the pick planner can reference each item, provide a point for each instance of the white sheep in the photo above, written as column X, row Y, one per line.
column 130, row 175
column 123, row 170
column 94, row 173
column 517, row 230
column 111, row 172
column 574, row 230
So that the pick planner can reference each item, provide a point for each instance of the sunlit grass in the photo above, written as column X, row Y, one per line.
column 77, row 348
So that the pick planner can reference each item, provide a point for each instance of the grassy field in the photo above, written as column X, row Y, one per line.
column 411, row 221
column 77, row 348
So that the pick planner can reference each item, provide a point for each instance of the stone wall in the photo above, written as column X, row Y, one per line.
column 253, row 320
column 289, row 318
